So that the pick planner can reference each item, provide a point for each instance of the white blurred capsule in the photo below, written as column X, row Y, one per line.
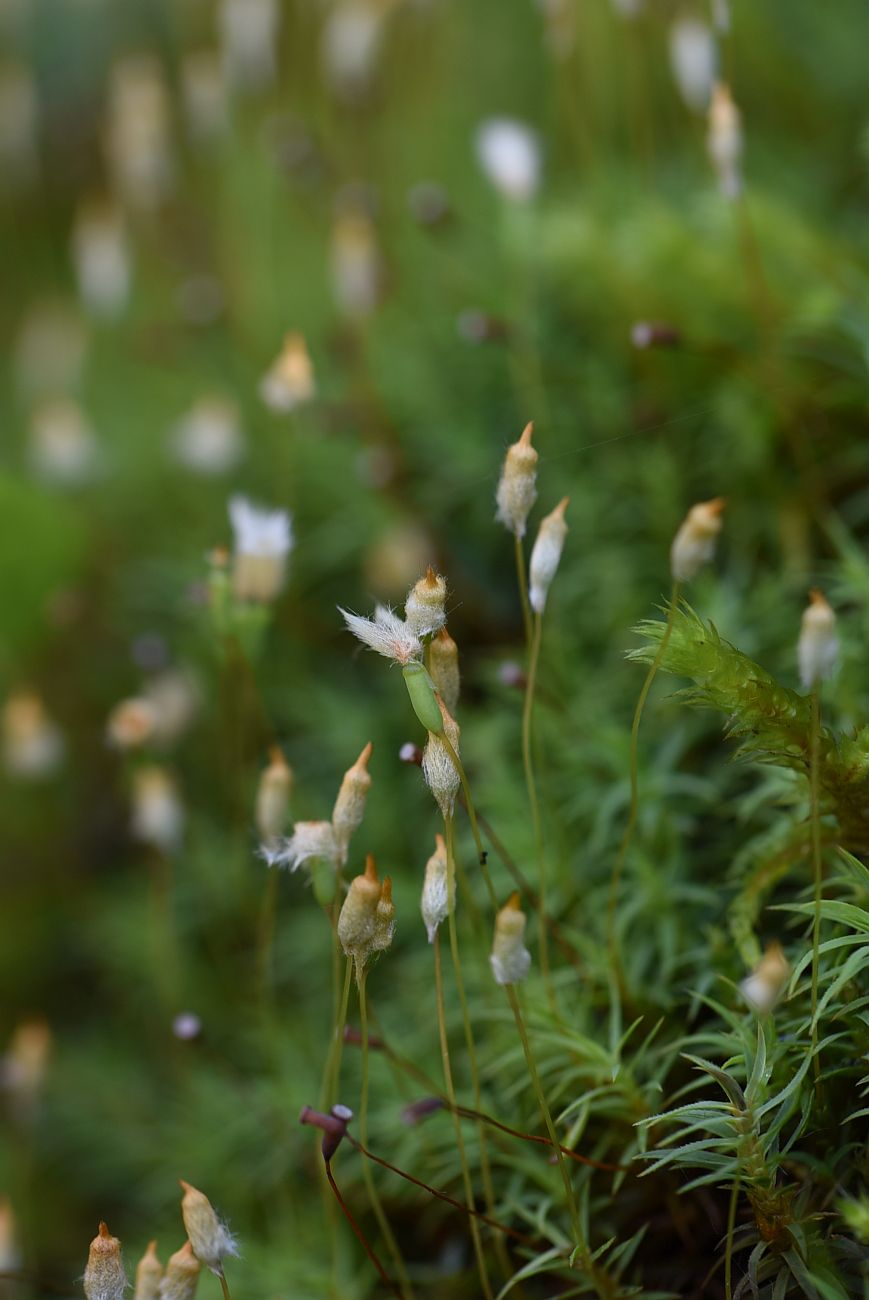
column 19, row 122
column 694, row 543
column 289, row 381
column 509, row 153
column 32, row 744
column 138, row 133
column 355, row 263
column 763, row 987
column 249, row 42
column 546, row 555
column 63, row 447
column 50, row 349
column 208, row 438
column 510, row 959
column 724, row 141
column 204, row 95
column 693, row 61
column 818, row 645
column 157, row 815
column 263, row 541
column 350, row 46
column 101, row 256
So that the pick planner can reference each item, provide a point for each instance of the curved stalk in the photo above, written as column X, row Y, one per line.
column 369, row 1249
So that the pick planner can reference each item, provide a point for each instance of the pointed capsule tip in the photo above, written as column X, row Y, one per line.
column 363, row 758
column 527, row 432
column 440, row 843
column 370, row 868
column 104, row 1230
column 514, row 902
column 386, row 890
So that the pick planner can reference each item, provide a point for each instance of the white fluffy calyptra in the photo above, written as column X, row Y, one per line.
column 386, row 634
column 308, row 840
column 545, row 555
column 438, row 891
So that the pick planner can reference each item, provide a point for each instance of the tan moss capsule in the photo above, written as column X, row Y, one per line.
column 818, row 646
column 546, row 554
column 444, row 668
column 763, row 987
column 358, row 917
column 510, row 959
column 438, row 890
column 694, row 543
column 438, row 766
column 384, row 919
column 424, row 611
column 210, row 1239
column 517, row 487
column 182, row 1275
column 273, row 798
column 289, row 381
column 104, row 1276
column 149, row 1271
column 725, row 140
column 350, row 804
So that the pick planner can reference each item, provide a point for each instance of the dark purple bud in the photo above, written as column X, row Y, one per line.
column 333, row 1126
column 419, row 1110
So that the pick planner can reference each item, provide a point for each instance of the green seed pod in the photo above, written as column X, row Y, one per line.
column 422, row 697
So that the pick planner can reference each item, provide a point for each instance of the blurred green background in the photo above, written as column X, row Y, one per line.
column 186, row 183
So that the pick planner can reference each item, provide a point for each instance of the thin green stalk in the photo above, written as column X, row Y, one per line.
column 817, row 863
column 333, row 1061
column 523, row 587
column 579, row 1235
column 618, row 866
column 485, row 1166
column 373, row 1194
column 472, row 817
column 528, row 764
column 728, row 1252
column 451, row 1094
